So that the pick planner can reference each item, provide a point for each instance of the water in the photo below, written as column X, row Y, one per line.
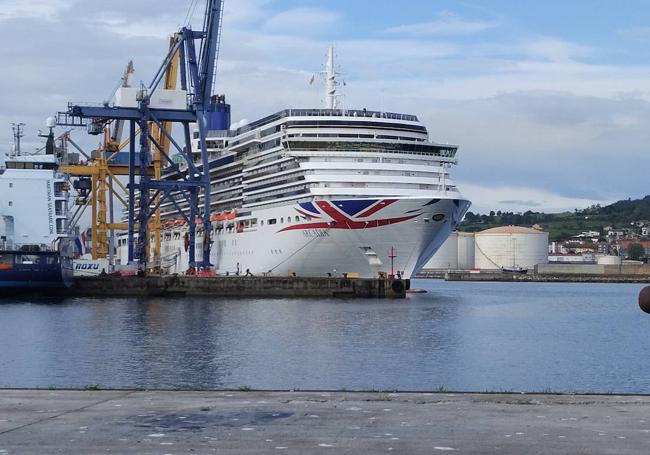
column 459, row 336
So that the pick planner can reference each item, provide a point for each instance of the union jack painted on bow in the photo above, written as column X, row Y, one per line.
column 345, row 214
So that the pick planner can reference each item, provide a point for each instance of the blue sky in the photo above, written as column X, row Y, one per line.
column 549, row 101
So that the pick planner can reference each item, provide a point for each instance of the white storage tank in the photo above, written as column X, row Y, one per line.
column 510, row 246
column 447, row 255
column 609, row 260
column 466, row 258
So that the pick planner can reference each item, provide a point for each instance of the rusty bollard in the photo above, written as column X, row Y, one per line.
column 644, row 299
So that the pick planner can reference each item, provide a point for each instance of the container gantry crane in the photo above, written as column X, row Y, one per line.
column 144, row 106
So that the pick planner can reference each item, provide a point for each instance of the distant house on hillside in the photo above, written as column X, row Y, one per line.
column 576, row 247
column 617, row 233
column 622, row 246
column 591, row 235
column 603, row 248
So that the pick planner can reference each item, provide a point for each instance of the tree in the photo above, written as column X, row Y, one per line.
column 635, row 251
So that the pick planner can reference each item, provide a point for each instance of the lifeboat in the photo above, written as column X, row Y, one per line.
column 225, row 215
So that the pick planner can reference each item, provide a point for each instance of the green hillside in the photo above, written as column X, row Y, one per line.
column 561, row 226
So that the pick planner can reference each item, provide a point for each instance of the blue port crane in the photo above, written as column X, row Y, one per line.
column 196, row 52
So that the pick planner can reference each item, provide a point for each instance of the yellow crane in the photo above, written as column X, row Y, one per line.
column 102, row 169
column 169, row 82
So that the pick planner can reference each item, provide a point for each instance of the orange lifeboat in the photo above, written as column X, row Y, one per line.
column 223, row 216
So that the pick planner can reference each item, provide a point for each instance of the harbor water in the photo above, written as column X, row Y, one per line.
column 464, row 336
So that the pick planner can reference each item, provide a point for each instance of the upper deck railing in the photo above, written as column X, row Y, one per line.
column 326, row 113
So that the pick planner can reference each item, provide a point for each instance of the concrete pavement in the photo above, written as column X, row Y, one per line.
column 170, row 422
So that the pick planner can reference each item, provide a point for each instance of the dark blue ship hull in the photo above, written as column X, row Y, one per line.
column 22, row 271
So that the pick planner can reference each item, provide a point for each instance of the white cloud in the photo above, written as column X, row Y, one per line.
column 484, row 78
column 555, row 50
column 520, row 199
column 41, row 9
column 242, row 12
column 446, row 24
column 304, row 20
column 152, row 27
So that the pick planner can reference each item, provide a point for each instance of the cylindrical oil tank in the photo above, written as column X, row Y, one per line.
column 447, row 255
column 465, row 250
column 510, row 246
column 609, row 260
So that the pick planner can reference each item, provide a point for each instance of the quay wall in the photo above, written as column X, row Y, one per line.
column 547, row 278
column 178, row 285
column 615, row 273
column 592, row 269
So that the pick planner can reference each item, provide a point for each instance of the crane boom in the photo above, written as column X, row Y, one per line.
column 118, row 126
column 210, row 49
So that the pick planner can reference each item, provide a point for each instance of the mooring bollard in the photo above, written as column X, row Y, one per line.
column 644, row 299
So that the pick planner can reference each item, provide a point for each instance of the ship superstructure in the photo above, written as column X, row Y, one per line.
column 34, row 202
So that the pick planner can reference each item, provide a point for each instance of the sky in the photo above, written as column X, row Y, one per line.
column 549, row 101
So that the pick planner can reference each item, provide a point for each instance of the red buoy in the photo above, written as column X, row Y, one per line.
column 644, row 299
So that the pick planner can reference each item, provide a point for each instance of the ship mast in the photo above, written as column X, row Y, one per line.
column 331, row 97
column 17, row 129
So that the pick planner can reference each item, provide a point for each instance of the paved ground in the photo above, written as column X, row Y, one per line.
column 93, row 422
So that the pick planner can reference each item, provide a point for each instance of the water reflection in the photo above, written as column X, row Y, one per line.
column 463, row 336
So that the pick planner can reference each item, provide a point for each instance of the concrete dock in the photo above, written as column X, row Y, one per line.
column 238, row 286
column 546, row 278
column 533, row 277
column 170, row 422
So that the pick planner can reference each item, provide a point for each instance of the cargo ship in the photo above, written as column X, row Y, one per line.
column 34, row 251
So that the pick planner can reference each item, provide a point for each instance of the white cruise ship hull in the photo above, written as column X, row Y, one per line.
column 354, row 237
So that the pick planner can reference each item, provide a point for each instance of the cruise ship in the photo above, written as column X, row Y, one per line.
column 321, row 192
